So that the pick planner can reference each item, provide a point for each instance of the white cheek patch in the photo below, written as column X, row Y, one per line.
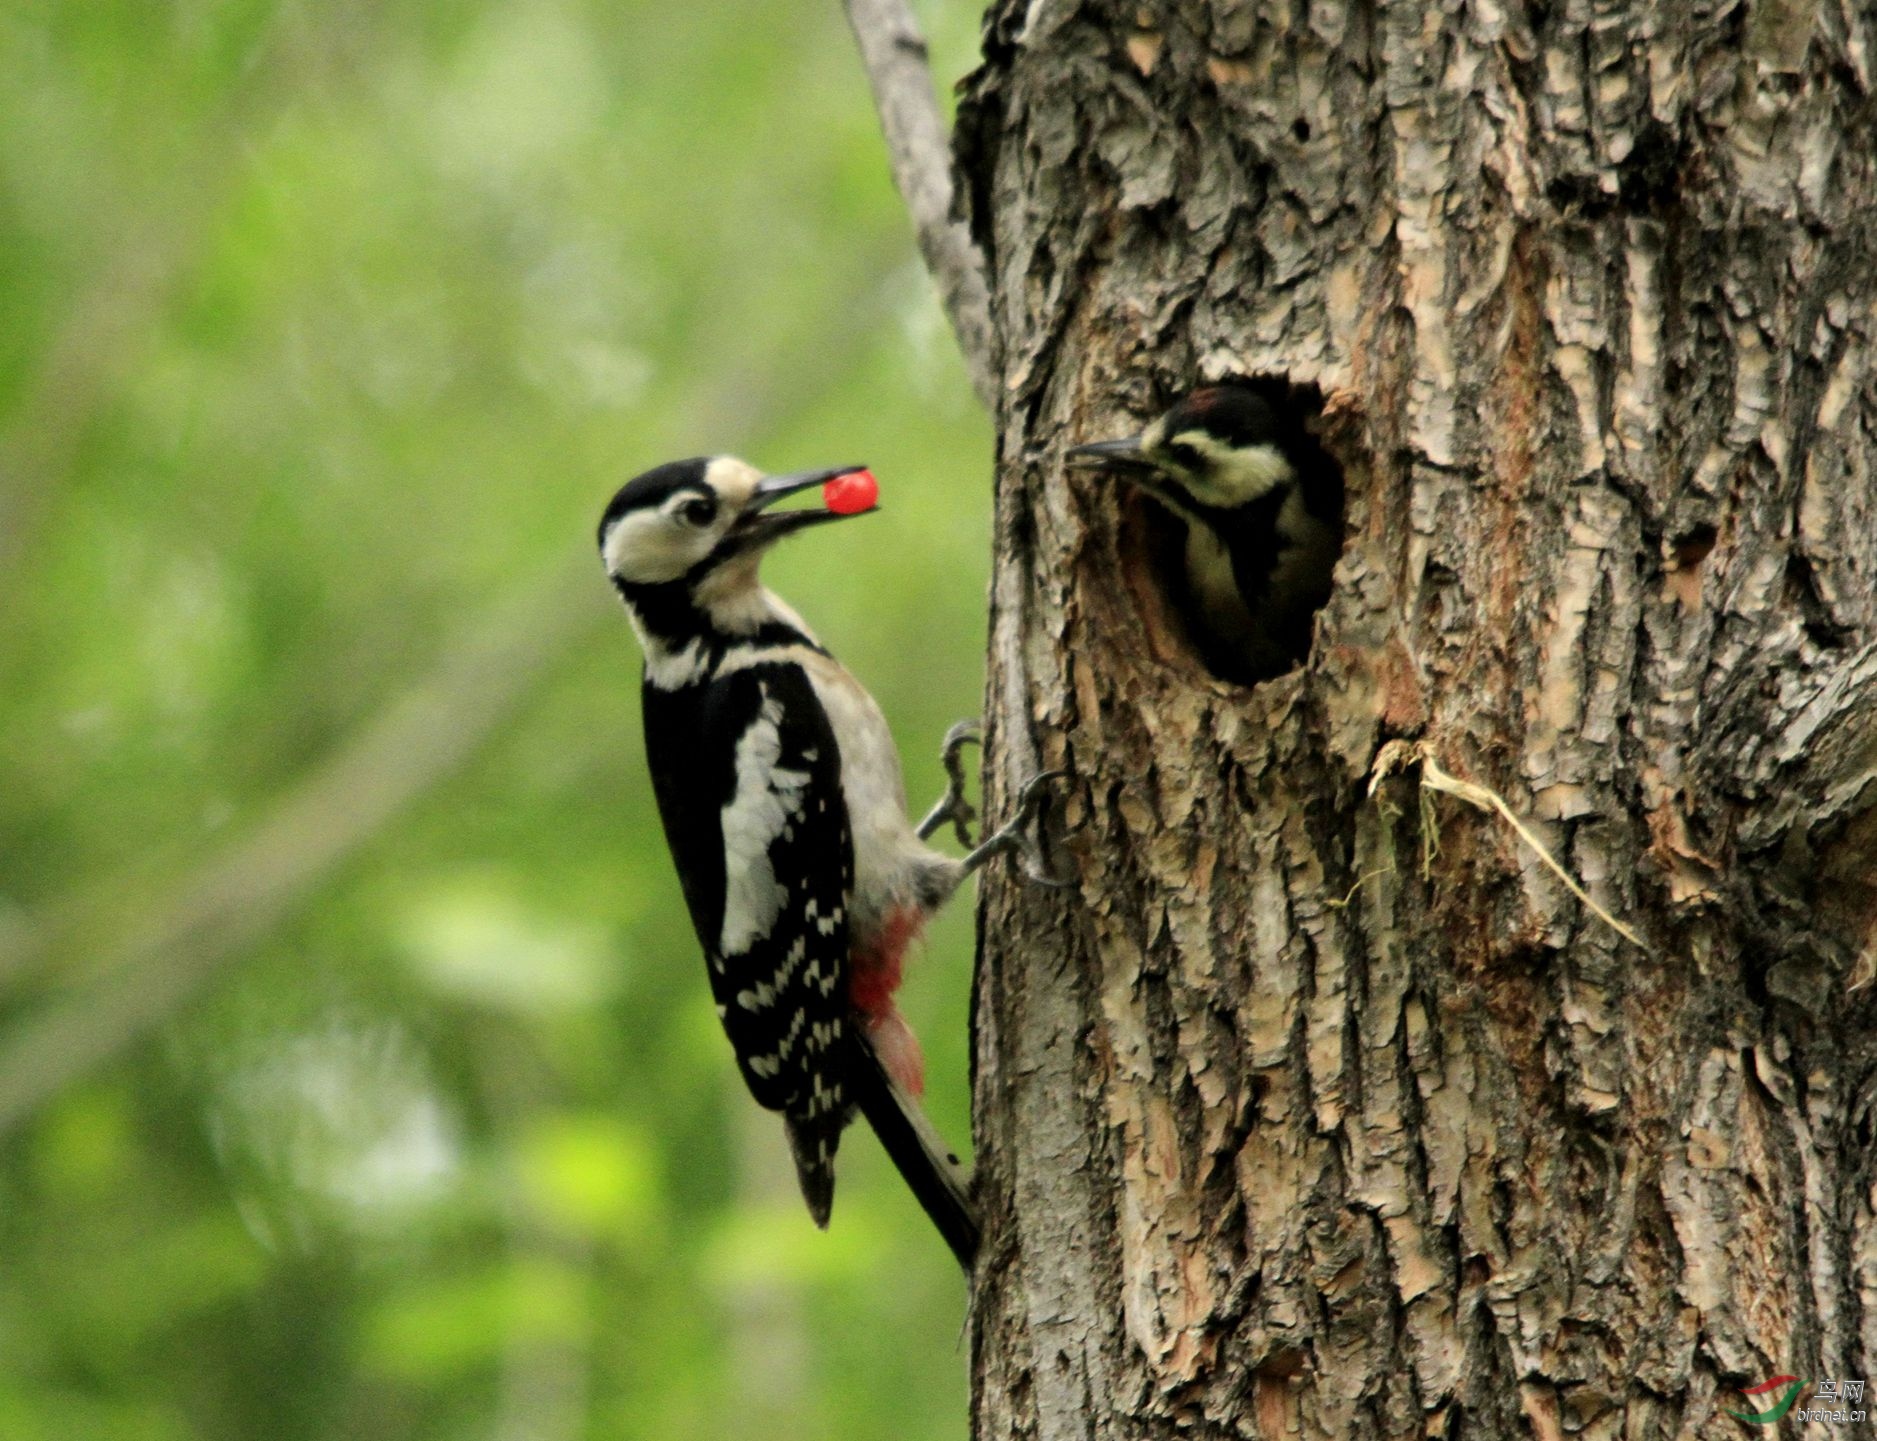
column 646, row 548
column 1255, row 472
column 1237, row 475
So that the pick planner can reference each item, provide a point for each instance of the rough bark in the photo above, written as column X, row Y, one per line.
column 1311, row 1111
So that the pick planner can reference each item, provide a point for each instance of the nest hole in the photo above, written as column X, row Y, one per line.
column 1279, row 555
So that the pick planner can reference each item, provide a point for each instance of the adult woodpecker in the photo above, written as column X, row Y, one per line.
column 780, row 792
column 1262, row 506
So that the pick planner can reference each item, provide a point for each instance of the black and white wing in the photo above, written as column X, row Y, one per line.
column 766, row 859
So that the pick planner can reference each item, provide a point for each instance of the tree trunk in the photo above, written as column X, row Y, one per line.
column 1327, row 1110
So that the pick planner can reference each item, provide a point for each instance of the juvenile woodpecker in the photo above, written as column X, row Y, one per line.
column 780, row 792
column 1262, row 506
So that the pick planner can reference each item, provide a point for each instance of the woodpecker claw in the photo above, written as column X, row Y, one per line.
column 953, row 805
column 1017, row 834
column 1036, row 876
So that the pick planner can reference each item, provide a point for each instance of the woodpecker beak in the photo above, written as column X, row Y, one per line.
column 773, row 488
column 1115, row 457
column 753, row 529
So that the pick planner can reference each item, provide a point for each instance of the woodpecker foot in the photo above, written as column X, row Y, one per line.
column 1022, row 834
column 953, row 805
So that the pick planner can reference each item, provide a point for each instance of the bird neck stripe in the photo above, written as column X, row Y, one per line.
column 750, row 654
column 663, row 614
column 1254, row 518
column 673, row 667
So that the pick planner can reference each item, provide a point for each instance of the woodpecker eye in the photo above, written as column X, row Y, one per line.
column 698, row 513
column 1187, row 456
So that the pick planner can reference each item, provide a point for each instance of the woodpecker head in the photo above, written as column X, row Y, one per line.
column 1220, row 448
column 703, row 520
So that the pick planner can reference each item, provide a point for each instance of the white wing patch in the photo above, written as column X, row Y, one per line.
column 767, row 798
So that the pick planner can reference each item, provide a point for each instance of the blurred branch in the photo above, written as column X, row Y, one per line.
column 894, row 53
column 96, row 346
column 417, row 741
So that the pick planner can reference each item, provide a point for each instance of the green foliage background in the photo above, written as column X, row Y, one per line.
column 357, row 1072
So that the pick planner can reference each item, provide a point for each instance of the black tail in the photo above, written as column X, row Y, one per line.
column 813, row 1140
column 937, row 1180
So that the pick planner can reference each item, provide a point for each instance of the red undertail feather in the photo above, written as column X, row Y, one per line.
column 874, row 973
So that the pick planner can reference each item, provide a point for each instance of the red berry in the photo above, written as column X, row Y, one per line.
column 851, row 493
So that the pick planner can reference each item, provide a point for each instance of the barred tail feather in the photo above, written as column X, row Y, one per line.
column 939, row 1183
column 813, row 1141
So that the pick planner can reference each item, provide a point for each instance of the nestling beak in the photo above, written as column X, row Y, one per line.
column 1127, row 460
column 1116, row 457
column 754, row 529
